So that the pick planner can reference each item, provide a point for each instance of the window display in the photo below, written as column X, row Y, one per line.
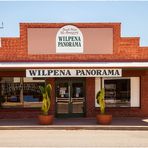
column 117, row 92
column 20, row 93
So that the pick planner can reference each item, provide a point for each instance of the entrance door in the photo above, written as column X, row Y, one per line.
column 70, row 98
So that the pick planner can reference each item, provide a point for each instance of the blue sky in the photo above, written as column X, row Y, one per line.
column 132, row 14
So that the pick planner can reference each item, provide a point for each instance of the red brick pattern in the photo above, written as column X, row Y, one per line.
column 19, row 113
column 90, row 97
column 125, row 49
column 144, row 95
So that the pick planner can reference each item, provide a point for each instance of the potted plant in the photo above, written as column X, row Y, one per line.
column 45, row 118
column 102, row 118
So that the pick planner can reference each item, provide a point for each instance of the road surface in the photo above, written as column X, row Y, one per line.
column 73, row 138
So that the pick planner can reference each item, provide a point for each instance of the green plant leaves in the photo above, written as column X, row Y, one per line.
column 100, row 100
column 46, row 102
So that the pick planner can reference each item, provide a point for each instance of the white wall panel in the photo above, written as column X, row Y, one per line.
column 135, row 92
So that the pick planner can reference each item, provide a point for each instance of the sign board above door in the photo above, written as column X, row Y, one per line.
column 73, row 72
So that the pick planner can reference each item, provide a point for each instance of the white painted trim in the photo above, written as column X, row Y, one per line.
column 135, row 92
column 74, row 64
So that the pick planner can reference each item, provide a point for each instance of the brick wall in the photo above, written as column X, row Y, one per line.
column 19, row 113
column 125, row 49
column 90, row 95
column 144, row 95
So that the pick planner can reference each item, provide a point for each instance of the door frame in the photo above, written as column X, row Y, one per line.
column 70, row 81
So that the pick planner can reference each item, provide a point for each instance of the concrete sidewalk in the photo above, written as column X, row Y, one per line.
column 121, row 123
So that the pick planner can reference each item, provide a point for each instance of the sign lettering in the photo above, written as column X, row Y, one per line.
column 69, row 39
column 73, row 73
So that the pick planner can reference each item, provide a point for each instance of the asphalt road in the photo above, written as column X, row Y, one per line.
column 73, row 138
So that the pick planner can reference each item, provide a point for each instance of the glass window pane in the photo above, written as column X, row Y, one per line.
column 77, row 90
column 18, row 93
column 117, row 92
column 62, row 90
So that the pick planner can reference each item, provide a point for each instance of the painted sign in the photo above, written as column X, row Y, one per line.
column 73, row 72
column 69, row 39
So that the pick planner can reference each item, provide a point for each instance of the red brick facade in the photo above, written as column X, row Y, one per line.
column 125, row 49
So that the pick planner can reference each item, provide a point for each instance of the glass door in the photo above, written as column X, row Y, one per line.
column 70, row 98
column 62, row 97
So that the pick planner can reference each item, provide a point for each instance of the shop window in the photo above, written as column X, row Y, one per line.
column 117, row 92
column 120, row 92
column 21, row 92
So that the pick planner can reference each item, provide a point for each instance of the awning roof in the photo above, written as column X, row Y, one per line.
column 73, row 64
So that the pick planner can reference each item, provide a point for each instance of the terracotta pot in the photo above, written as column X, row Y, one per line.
column 104, row 119
column 45, row 119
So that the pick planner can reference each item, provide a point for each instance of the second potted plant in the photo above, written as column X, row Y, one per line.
column 45, row 118
column 102, row 118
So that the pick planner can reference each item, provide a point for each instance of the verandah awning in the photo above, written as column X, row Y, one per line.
column 73, row 64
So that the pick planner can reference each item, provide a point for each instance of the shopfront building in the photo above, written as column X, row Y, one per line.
column 78, row 60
